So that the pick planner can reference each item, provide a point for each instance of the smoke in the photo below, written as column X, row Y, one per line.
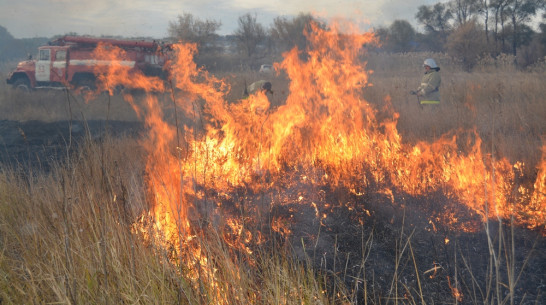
column 144, row 18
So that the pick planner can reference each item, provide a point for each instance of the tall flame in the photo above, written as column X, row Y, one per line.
column 325, row 133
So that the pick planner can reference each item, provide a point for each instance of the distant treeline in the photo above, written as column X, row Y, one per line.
column 16, row 49
column 469, row 31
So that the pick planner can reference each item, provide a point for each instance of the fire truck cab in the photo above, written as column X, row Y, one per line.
column 68, row 62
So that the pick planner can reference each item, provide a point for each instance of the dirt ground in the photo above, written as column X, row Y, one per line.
column 36, row 144
column 44, row 125
column 378, row 244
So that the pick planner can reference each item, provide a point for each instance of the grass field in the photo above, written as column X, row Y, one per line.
column 77, row 233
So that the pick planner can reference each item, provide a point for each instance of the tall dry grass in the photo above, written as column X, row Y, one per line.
column 66, row 235
column 56, row 105
column 506, row 107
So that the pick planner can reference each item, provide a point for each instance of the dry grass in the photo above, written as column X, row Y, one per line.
column 57, row 105
column 505, row 106
column 506, row 109
column 66, row 237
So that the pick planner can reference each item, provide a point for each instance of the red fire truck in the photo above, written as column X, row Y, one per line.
column 68, row 62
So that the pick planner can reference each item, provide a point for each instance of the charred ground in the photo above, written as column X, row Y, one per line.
column 391, row 246
column 378, row 245
column 37, row 144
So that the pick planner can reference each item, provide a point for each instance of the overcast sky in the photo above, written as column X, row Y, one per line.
column 150, row 18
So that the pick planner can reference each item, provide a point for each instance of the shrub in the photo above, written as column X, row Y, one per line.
column 467, row 43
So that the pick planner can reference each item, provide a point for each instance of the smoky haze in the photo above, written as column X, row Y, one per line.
column 146, row 18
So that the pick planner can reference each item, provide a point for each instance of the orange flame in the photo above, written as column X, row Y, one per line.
column 457, row 294
column 326, row 133
column 535, row 213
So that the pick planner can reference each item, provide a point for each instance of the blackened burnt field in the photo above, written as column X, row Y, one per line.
column 373, row 245
column 37, row 144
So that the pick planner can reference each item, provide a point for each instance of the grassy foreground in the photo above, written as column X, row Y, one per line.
column 67, row 235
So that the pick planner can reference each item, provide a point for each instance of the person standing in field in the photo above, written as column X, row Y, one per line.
column 429, row 90
column 260, row 85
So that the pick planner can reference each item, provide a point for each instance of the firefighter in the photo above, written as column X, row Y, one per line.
column 260, row 85
column 428, row 92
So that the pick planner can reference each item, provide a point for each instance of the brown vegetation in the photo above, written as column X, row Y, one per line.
column 68, row 235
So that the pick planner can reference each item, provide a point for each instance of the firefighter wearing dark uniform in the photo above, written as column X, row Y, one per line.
column 429, row 90
column 260, row 85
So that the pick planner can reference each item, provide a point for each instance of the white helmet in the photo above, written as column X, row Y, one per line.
column 430, row 62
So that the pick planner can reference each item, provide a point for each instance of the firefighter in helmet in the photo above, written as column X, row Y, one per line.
column 260, row 85
column 429, row 90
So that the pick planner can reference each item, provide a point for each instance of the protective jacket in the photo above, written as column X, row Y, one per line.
column 256, row 86
column 429, row 90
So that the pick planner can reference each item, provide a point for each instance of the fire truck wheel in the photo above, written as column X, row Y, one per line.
column 22, row 84
column 86, row 84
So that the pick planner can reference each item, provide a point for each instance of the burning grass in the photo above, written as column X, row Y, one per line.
column 317, row 196
column 69, row 236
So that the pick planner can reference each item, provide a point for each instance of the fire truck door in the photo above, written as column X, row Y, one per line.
column 58, row 68
column 43, row 65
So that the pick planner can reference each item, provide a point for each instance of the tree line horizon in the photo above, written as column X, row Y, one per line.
column 464, row 29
